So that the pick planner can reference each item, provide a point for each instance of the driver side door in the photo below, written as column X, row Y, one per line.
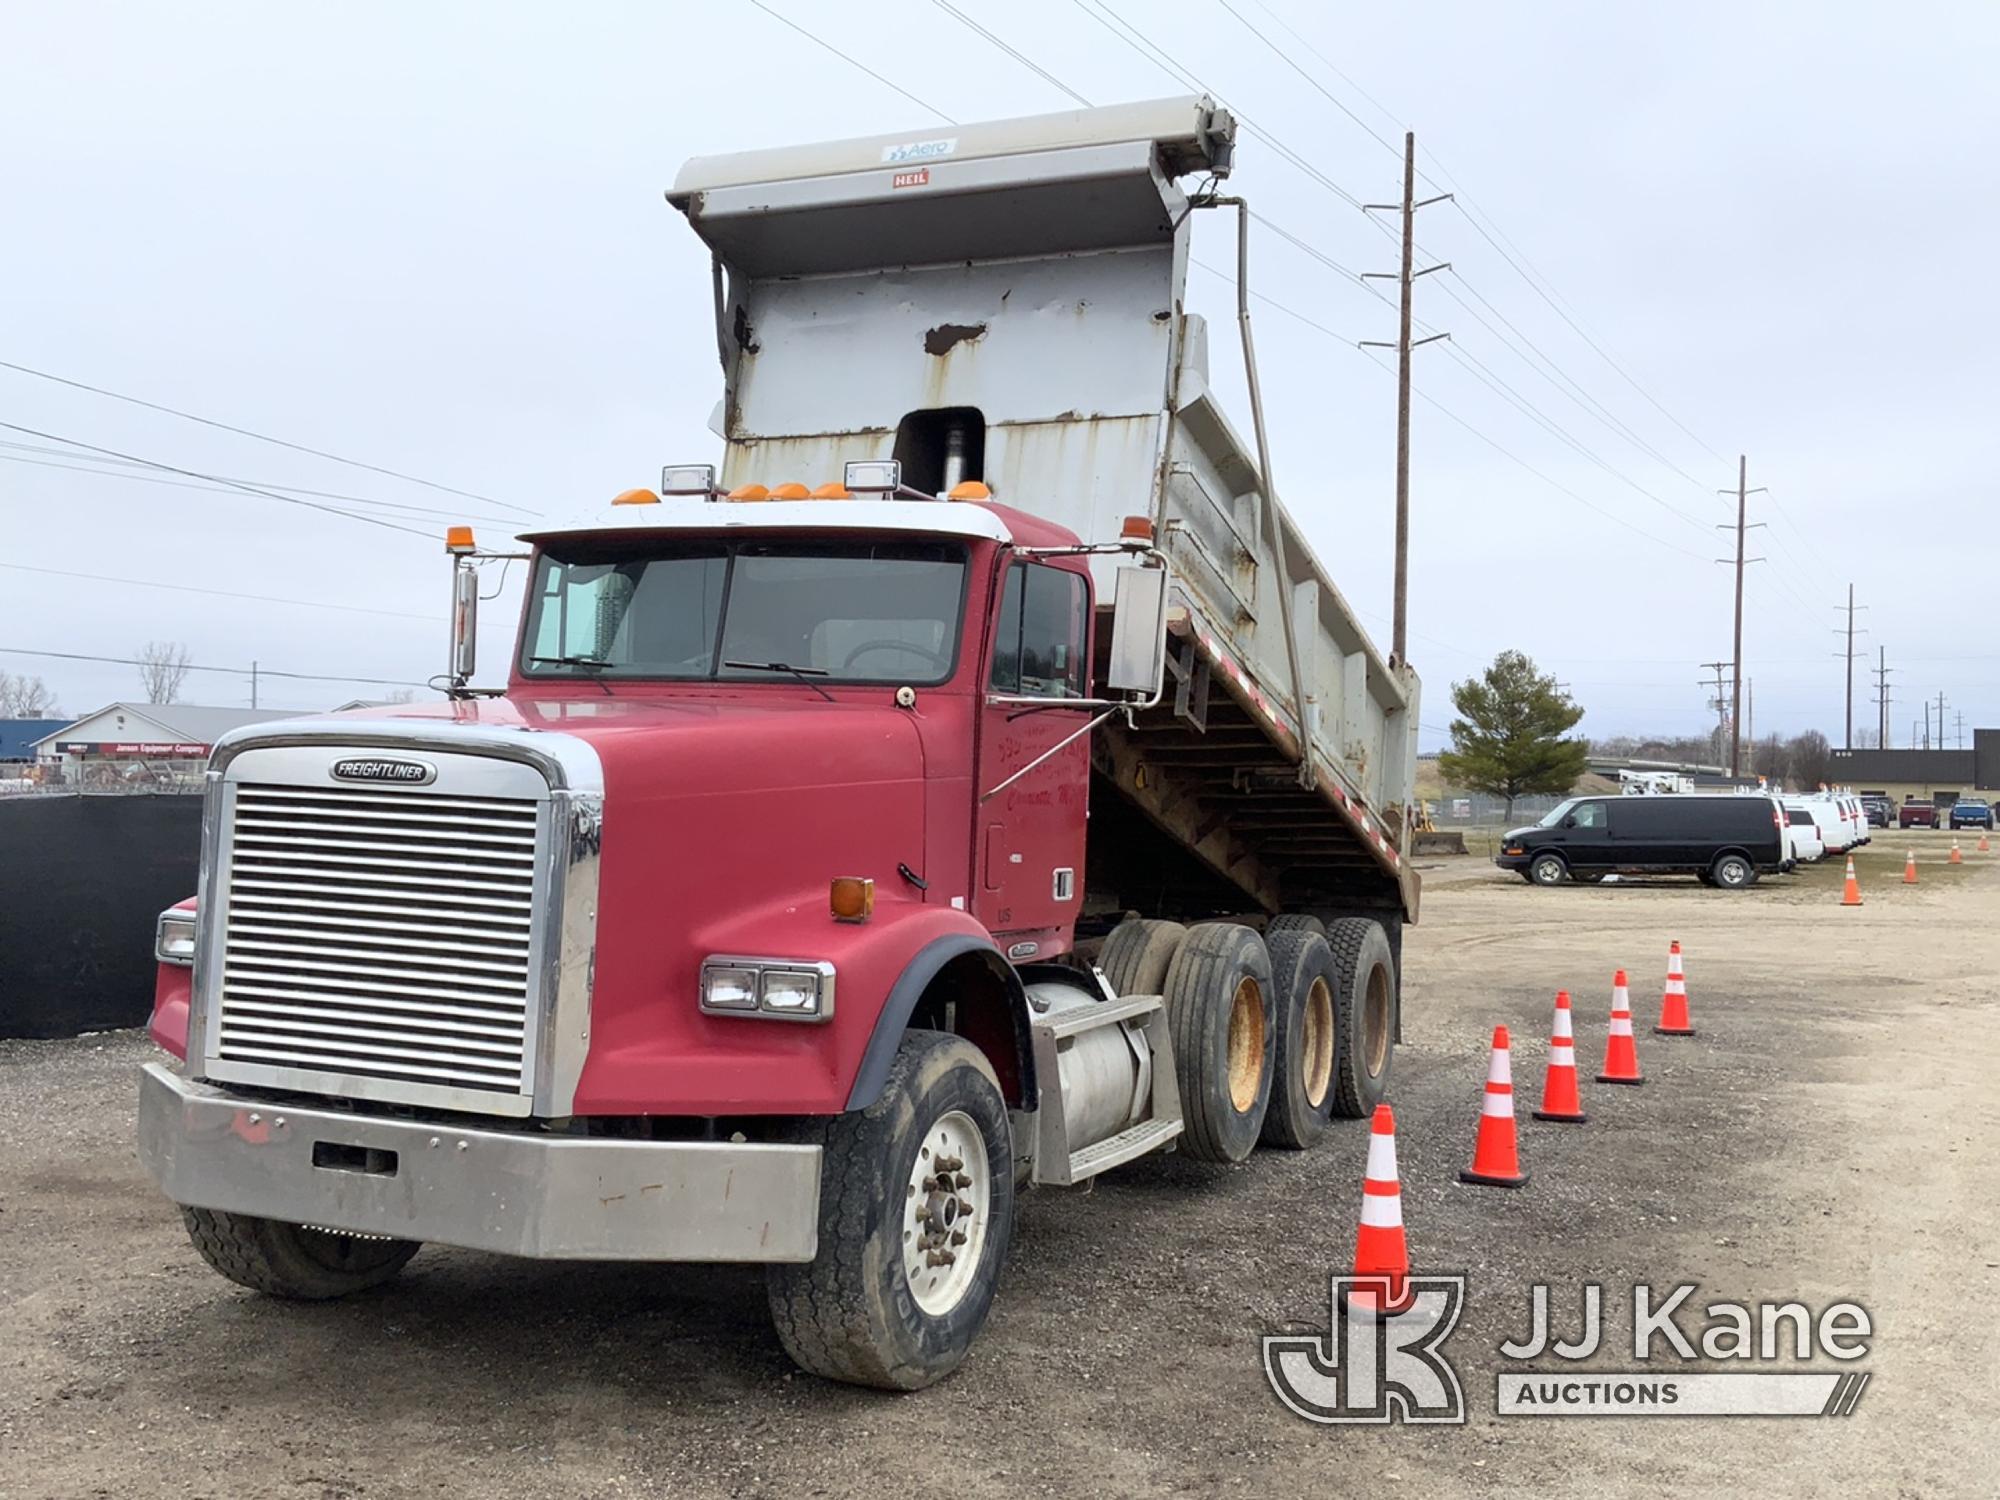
column 1029, row 835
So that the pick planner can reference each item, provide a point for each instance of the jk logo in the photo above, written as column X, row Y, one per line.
column 1371, row 1368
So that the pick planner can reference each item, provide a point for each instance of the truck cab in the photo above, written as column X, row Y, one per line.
column 922, row 807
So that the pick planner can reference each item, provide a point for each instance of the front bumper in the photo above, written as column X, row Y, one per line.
column 543, row 1196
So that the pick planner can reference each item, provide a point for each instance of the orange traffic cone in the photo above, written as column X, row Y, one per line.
column 1956, row 858
column 1851, row 896
column 1559, row 1096
column 1379, row 1249
column 1674, row 1003
column 1910, row 869
column 1496, row 1158
column 1983, row 846
column 1621, row 1053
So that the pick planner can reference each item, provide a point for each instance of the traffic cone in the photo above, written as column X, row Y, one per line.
column 1496, row 1158
column 1559, row 1096
column 1674, row 1004
column 1379, row 1249
column 1956, row 858
column 1983, row 846
column 1910, row 869
column 1851, row 895
column 1621, row 1053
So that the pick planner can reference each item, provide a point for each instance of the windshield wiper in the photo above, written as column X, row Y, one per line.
column 590, row 664
column 804, row 674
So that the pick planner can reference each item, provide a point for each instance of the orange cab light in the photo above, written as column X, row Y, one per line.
column 852, row 898
column 969, row 489
column 748, row 492
column 792, row 491
column 636, row 497
column 1136, row 529
column 833, row 492
column 458, row 539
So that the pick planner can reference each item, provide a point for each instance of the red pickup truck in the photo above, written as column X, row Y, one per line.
column 1917, row 814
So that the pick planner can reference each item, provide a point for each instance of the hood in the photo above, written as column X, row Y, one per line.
column 774, row 741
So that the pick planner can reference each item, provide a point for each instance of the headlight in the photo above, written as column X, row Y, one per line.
column 773, row 988
column 173, row 936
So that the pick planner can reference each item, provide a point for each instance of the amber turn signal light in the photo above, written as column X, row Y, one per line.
column 852, row 898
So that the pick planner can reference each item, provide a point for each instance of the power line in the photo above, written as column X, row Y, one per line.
column 188, row 588
column 188, row 416
column 822, row 42
column 218, row 489
column 248, row 489
column 1020, row 57
column 262, row 671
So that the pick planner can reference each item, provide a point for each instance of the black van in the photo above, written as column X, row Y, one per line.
column 1726, row 840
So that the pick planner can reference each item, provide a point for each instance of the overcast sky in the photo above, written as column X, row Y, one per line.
column 432, row 238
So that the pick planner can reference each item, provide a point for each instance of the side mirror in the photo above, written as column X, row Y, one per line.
column 1570, row 821
column 464, row 621
column 1138, row 633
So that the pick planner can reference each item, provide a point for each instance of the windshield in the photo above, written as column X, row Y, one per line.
column 746, row 611
column 1557, row 813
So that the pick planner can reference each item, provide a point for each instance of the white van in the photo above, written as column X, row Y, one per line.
column 1803, row 844
column 1836, row 831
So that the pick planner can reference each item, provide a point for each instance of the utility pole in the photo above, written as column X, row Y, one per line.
column 1882, row 696
column 1848, row 741
column 1940, row 729
column 1724, row 708
column 1399, row 628
column 1958, row 732
column 253, row 684
column 1743, row 494
column 1750, row 718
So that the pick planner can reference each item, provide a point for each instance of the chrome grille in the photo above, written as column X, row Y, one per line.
column 380, row 934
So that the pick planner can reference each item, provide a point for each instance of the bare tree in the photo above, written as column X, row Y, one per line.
column 402, row 695
column 163, row 667
column 27, row 697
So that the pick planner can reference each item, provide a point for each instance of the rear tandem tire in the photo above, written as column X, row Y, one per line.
column 1366, row 998
column 1222, row 1016
column 1307, row 1057
column 1293, row 921
column 292, row 1260
column 1137, row 954
column 856, row 1312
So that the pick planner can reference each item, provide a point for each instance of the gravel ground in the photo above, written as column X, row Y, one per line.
column 1825, row 1136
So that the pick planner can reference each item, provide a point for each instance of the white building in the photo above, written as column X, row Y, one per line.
column 145, row 732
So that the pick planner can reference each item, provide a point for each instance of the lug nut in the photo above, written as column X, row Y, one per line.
column 930, row 1184
column 961, row 1180
column 958, row 1236
column 965, row 1208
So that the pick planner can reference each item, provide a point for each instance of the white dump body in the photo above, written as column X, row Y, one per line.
column 1024, row 282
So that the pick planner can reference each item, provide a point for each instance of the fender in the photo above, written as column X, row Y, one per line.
column 901, row 1003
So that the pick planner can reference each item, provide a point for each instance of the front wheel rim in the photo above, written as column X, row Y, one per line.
column 947, row 1208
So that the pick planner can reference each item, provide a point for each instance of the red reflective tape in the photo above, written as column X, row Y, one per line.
column 1381, row 1189
column 1499, row 1088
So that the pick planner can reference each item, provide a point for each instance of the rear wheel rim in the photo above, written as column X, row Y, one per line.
column 1246, row 1044
column 947, row 1207
column 1375, row 1021
column 1316, row 1042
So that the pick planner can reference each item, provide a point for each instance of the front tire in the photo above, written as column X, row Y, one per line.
column 1548, row 869
column 916, row 1207
column 292, row 1260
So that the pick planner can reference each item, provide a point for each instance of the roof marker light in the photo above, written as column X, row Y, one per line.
column 873, row 476
column 969, row 489
column 688, row 479
column 832, row 492
column 790, row 491
column 636, row 497
column 748, row 492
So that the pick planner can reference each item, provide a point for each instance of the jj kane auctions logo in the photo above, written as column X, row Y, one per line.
column 1371, row 1368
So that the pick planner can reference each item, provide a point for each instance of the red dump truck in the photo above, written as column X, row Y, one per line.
column 976, row 784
